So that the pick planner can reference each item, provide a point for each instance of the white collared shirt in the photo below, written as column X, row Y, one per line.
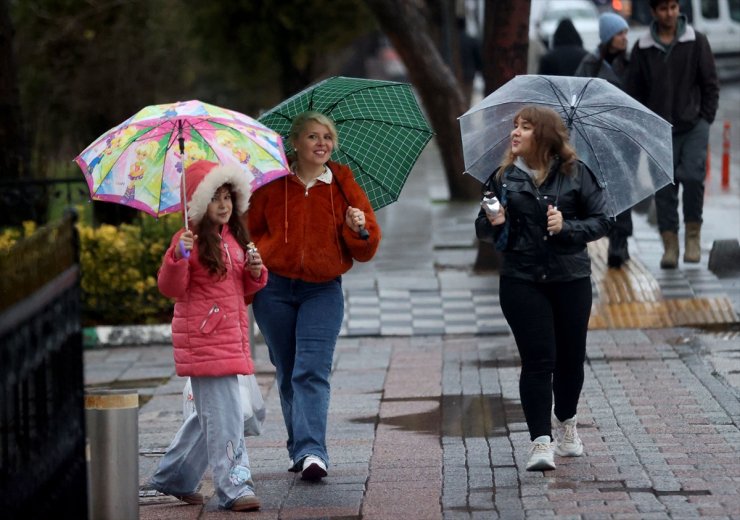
column 325, row 177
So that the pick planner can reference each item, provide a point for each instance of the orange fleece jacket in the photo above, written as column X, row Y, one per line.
column 308, row 239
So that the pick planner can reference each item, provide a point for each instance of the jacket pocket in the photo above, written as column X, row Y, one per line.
column 212, row 319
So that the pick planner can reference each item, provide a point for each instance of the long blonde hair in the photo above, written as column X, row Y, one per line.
column 550, row 139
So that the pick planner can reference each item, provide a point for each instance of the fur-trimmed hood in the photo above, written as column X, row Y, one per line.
column 203, row 178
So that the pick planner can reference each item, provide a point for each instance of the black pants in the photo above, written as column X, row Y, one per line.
column 622, row 225
column 549, row 322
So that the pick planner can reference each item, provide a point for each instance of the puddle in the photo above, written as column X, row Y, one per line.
column 461, row 416
column 479, row 415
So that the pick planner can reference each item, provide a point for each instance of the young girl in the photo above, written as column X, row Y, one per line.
column 209, row 273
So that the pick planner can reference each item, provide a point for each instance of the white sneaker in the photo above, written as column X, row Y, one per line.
column 567, row 441
column 541, row 455
column 313, row 468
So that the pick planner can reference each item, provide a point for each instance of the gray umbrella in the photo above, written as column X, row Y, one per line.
column 625, row 144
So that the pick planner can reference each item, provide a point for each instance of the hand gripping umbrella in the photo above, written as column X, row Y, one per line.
column 382, row 130
column 627, row 146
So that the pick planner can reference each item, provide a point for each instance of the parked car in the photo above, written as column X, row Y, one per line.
column 546, row 14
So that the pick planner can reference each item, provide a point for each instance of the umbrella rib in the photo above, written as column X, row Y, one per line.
column 570, row 111
column 394, row 125
column 479, row 159
column 133, row 140
column 362, row 89
column 622, row 132
column 170, row 142
column 559, row 94
column 365, row 173
column 598, row 163
column 204, row 140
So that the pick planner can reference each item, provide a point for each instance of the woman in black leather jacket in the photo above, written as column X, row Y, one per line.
column 551, row 208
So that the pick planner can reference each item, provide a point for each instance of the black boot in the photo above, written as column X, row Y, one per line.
column 618, row 252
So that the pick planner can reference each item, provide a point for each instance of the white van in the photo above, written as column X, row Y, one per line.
column 719, row 20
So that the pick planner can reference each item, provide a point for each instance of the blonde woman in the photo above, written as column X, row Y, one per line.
column 308, row 226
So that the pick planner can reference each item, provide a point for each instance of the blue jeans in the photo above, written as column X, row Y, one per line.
column 300, row 322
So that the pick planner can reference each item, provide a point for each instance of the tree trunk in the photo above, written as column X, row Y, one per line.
column 505, row 46
column 14, row 158
column 441, row 95
column 505, row 41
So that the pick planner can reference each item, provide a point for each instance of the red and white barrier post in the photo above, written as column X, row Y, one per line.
column 726, row 156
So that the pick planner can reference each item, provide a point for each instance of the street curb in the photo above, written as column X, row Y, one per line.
column 127, row 335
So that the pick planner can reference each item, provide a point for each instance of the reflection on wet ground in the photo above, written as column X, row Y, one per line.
column 465, row 416
column 484, row 415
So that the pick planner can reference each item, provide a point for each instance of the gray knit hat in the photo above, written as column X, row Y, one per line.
column 611, row 24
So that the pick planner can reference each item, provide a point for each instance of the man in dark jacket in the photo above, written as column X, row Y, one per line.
column 566, row 53
column 672, row 72
column 610, row 63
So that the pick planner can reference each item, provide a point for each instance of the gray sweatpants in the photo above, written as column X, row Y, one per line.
column 689, row 170
column 215, row 435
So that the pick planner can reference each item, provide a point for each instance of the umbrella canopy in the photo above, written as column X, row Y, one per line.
column 139, row 163
column 381, row 128
column 626, row 145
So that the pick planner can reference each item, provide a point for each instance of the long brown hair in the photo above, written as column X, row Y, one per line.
column 550, row 139
column 209, row 239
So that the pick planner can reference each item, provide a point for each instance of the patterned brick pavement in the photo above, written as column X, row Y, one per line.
column 431, row 427
column 425, row 420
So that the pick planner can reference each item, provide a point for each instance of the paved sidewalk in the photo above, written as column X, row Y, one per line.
column 425, row 420
column 431, row 427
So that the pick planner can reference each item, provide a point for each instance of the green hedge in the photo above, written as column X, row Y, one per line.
column 119, row 269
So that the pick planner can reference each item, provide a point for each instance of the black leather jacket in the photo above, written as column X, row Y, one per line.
column 529, row 252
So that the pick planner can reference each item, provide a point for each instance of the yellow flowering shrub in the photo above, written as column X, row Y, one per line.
column 119, row 272
column 118, row 268
column 9, row 236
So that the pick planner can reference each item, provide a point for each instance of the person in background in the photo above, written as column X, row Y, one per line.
column 610, row 63
column 309, row 227
column 552, row 207
column 209, row 273
column 470, row 60
column 566, row 53
column 672, row 72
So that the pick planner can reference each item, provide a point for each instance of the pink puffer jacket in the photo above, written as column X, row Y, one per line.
column 210, row 326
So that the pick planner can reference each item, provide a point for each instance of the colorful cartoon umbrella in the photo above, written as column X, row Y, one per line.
column 382, row 130
column 139, row 163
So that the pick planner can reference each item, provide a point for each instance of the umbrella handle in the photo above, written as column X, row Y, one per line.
column 184, row 252
column 364, row 234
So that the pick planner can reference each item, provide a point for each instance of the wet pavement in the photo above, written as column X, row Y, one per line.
column 425, row 420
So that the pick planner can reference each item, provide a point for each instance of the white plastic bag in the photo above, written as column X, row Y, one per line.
column 253, row 405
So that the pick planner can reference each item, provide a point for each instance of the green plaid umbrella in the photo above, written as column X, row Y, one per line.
column 382, row 130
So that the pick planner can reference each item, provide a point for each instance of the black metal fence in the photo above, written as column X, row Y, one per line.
column 42, row 431
column 31, row 199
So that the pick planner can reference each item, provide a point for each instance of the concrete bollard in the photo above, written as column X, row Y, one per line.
column 724, row 258
column 112, row 418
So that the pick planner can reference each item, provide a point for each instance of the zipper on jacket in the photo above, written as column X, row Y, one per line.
column 228, row 255
column 214, row 310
